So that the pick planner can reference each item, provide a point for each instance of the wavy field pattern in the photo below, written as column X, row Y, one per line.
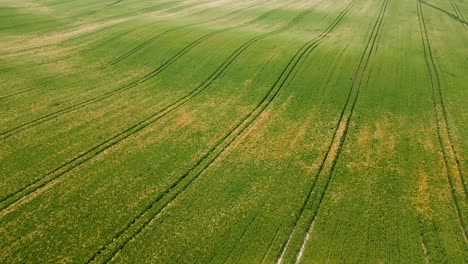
column 252, row 131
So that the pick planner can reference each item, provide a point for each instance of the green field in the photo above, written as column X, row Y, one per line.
column 250, row 131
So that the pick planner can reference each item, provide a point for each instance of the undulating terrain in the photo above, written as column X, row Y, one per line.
column 249, row 131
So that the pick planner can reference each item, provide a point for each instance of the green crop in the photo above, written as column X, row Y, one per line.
column 252, row 131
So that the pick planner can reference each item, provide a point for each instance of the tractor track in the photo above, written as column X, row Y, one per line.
column 270, row 244
column 333, row 70
column 424, row 240
column 451, row 162
column 162, row 34
column 15, row 199
column 112, row 39
column 458, row 11
column 127, row 54
column 310, row 206
column 163, row 200
column 79, row 36
column 17, row 129
column 455, row 17
column 40, row 120
column 24, row 50
column 15, row 93
column 115, row 3
column 239, row 240
column 86, row 50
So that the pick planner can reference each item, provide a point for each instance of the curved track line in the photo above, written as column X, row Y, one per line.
column 103, row 43
column 23, row 195
column 163, row 200
column 270, row 244
column 311, row 205
column 162, row 34
column 239, row 240
column 17, row 52
column 114, row 3
column 451, row 162
column 86, row 50
column 455, row 17
column 17, row 129
column 86, row 33
column 121, row 57
column 12, row 131
column 15, row 93
column 457, row 10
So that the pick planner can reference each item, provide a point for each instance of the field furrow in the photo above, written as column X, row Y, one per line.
column 155, row 207
column 11, row 201
column 452, row 164
column 314, row 198
column 220, row 131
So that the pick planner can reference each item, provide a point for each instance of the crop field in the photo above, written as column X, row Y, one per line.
column 249, row 131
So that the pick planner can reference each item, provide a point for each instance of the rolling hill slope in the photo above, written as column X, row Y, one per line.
column 252, row 131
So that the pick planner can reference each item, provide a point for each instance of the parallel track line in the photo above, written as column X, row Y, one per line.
column 451, row 162
column 163, row 200
column 40, row 120
column 17, row 198
column 311, row 205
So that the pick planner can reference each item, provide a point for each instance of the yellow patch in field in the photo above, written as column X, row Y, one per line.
column 423, row 197
column 59, row 37
column 383, row 133
column 364, row 136
column 28, row 6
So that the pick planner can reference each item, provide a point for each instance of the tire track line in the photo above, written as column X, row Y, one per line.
column 455, row 17
column 162, row 34
column 451, row 162
column 431, row 247
column 15, row 93
column 239, row 240
column 17, row 129
column 124, row 20
column 457, row 10
column 292, row 250
column 12, row 131
column 21, row 51
column 424, row 244
column 114, row 3
column 122, row 34
column 85, row 34
column 30, row 191
column 153, row 210
column 270, row 244
column 236, row 245
column 333, row 70
column 105, row 42
column 86, row 50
